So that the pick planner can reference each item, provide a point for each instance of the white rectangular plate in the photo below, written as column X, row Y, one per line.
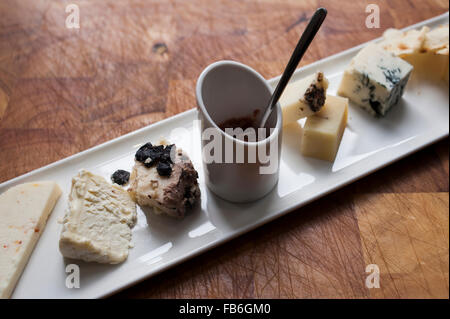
column 420, row 119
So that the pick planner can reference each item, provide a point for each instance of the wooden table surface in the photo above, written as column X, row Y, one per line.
column 133, row 63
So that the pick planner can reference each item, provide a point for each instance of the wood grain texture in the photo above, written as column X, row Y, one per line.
column 406, row 235
column 133, row 63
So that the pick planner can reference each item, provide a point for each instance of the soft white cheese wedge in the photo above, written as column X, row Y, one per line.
column 323, row 131
column 24, row 210
column 303, row 98
column 375, row 79
column 97, row 225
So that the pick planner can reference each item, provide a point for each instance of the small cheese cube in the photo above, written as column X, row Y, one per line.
column 375, row 79
column 323, row 131
column 24, row 210
column 303, row 98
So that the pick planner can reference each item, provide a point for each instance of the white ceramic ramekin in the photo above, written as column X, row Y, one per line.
column 228, row 89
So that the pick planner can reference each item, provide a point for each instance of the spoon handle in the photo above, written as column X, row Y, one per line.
column 302, row 45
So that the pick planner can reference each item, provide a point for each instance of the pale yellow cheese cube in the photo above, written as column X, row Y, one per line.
column 323, row 131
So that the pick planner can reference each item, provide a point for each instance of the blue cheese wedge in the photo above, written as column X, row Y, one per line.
column 303, row 97
column 375, row 79
column 97, row 225
column 24, row 210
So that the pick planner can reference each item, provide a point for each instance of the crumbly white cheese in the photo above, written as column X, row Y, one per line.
column 426, row 50
column 404, row 43
column 303, row 98
column 375, row 79
column 437, row 40
column 97, row 225
column 24, row 210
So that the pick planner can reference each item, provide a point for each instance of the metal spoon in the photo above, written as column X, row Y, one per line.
column 302, row 45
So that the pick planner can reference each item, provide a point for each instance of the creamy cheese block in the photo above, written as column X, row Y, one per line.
column 97, row 225
column 303, row 98
column 24, row 210
column 323, row 131
column 375, row 79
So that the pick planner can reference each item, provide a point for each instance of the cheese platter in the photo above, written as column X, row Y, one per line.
column 157, row 241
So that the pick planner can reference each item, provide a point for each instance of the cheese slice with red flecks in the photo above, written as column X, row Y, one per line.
column 24, row 210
